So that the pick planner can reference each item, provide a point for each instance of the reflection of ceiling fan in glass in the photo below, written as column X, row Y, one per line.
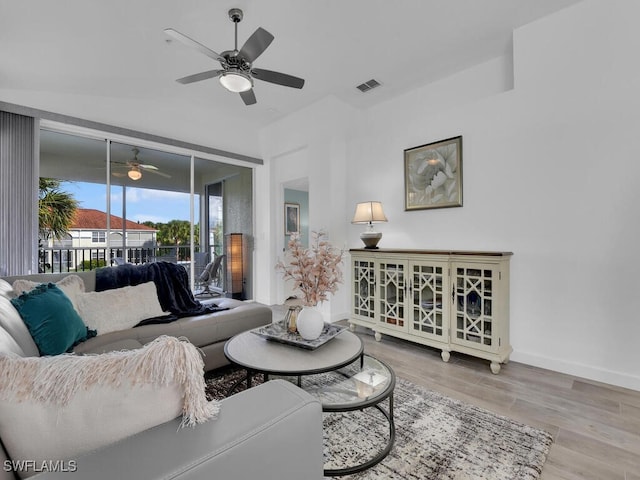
column 135, row 168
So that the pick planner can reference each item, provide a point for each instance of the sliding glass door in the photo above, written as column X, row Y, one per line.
column 135, row 204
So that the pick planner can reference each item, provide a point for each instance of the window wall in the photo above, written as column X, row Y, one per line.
column 137, row 204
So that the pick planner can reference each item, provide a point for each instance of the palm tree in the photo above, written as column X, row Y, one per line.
column 56, row 209
column 175, row 233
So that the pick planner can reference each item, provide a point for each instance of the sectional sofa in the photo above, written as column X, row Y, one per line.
column 272, row 431
column 207, row 332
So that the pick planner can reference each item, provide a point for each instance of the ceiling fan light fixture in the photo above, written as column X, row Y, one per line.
column 135, row 173
column 236, row 82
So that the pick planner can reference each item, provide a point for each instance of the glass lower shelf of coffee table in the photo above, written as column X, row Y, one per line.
column 365, row 383
column 352, row 387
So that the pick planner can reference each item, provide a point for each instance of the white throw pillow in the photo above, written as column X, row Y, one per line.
column 119, row 308
column 71, row 285
column 57, row 408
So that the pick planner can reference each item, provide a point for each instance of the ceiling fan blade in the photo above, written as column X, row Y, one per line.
column 248, row 97
column 199, row 76
column 193, row 44
column 255, row 45
column 157, row 172
column 152, row 169
column 277, row 78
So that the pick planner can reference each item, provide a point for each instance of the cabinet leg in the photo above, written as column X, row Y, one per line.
column 352, row 327
column 445, row 356
column 378, row 336
column 495, row 368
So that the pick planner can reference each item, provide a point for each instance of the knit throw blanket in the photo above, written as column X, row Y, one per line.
column 57, row 379
column 172, row 285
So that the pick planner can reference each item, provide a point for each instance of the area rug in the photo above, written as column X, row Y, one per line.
column 437, row 438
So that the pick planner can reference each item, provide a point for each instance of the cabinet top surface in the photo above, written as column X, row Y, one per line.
column 432, row 252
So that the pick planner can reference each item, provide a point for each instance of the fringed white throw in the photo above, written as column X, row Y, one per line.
column 56, row 408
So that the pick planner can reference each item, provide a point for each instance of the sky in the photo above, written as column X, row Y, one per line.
column 158, row 206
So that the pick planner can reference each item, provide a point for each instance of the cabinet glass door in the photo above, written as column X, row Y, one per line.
column 428, row 315
column 473, row 306
column 364, row 287
column 391, row 293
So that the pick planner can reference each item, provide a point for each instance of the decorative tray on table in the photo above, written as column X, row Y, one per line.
column 278, row 332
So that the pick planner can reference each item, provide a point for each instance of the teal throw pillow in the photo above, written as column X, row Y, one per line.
column 51, row 319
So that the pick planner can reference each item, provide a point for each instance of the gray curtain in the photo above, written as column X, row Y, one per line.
column 19, row 167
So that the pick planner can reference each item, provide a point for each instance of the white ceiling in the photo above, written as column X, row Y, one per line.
column 59, row 54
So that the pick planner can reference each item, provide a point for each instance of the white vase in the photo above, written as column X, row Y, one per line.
column 310, row 323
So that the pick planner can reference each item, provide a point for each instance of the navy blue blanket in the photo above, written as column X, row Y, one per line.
column 172, row 285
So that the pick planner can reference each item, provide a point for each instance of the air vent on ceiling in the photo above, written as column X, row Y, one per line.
column 366, row 86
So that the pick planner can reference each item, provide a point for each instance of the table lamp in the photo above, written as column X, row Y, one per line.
column 369, row 213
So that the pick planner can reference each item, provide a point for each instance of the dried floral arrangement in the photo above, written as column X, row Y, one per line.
column 315, row 271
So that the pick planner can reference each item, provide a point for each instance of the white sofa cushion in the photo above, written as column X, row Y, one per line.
column 8, row 344
column 6, row 290
column 11, row 321
column 57, row 408
column 119, row 308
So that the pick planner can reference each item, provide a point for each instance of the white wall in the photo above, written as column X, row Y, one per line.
column 550, row 172
column 312, row 143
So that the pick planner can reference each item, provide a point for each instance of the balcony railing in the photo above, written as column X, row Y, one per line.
column 77, row 259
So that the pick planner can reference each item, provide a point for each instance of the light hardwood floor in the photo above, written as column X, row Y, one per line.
column 596, row 427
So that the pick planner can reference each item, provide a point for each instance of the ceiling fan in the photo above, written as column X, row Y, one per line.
column 136, row 168
column 237, row 73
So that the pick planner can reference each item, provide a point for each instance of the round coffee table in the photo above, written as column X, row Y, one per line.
column 258, row 355
column 332, row 373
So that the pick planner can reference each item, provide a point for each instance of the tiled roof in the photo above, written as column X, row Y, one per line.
column 90, row 219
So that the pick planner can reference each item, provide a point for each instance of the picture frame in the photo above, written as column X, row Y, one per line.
column 433, row 175
column 291, row 218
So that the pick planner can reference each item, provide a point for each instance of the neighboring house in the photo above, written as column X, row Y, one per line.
column 87, row 240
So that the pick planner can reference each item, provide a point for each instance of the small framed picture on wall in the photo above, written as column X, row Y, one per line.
column 291, row 218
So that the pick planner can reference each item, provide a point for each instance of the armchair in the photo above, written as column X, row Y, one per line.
column 210, row 275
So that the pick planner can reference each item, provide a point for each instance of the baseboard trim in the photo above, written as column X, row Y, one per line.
column 579, row 370
column 336, row 317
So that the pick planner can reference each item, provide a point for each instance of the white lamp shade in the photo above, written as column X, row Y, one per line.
column 235, row 82
column 369, row 212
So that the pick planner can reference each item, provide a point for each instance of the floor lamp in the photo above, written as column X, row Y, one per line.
column 235, row 265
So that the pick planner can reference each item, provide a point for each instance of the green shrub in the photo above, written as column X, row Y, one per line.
column 91, row 264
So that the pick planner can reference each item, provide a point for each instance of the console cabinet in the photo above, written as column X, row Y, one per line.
column 451, row 300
